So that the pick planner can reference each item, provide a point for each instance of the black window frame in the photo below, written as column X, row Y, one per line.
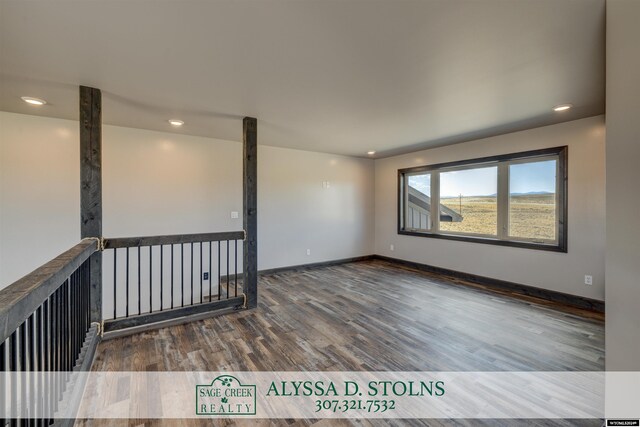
column 561, row 199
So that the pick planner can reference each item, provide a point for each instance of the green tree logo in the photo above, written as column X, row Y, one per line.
column 225, row 396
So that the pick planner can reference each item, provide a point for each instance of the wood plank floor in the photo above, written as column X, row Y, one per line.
column 372, row 315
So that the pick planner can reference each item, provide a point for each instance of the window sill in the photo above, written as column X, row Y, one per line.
column 489, row 241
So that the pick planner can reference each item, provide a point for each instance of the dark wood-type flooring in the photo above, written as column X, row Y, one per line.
column 371, row 315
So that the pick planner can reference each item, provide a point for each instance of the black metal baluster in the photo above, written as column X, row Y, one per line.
column 201, row 294
column 23, row 368
column 60, row 342
column 219, row 281
column 161, row 277
column 53, row 350
column 72, row 332
column 127, row 283
column 79, row 310
column 3, row 397
column 182, row 274
column 60, row 345
column 40, row 363
column 65, row 336
column 31, row 336
column 172, row 275
column 13, row 367
column 46, row 355
column 228, row 275
column 235, row 243
column 55, row 345
column 150, row 279
column 24, row 349
column 83, row 291
column 139, row 282
column 210, row 270
column 80, row 299
column 62, row 331
column 72, row 317
column 78, row 315
column 87, row 295
column 67, row 325
column 72, row 323
column 42, row 337
column 191, row 273
column 115, row 275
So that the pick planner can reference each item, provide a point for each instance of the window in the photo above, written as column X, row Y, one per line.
column 532, row 200
column 468, row 201
column 514, row 200
column 418, row 206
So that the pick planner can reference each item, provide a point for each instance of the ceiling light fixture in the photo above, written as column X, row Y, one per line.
column 176, row 122
column 371, row 153
column 562, row 107
column 33, row 101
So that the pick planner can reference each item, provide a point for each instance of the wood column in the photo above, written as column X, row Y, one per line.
column 91, row 186
column 250, row 213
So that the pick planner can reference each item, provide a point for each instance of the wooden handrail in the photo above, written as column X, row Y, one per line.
column 20, row 299
column 133, row 242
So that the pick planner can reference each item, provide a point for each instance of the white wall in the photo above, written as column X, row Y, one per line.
column 161, row 183
column 549, row 270
column 296, row 212
column 39, row 192
column 623, row 177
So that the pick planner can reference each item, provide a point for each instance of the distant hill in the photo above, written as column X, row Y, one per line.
column 531, row 193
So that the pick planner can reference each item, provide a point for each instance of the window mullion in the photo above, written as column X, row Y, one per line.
column 435, row 201
column 502, row 200
column 405, row 201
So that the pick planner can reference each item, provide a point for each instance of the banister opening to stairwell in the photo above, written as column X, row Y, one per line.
column 164, row 280
column 52, row 319
column 45, row 326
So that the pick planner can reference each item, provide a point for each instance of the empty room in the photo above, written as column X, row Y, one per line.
column 319, row 212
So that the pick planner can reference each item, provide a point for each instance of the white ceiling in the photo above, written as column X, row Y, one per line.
column 339, row 76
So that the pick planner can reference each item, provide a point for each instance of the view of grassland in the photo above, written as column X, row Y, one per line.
column 531, row 215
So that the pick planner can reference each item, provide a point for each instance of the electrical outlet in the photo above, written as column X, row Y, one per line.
column 588, row 280
column 205, row 275
column 392, row 247
column 234, row 215
column 308, row 251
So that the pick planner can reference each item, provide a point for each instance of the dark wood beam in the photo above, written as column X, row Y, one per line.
column 91, row 186
column 172, row 314
column 134, row 242
column 250, row 212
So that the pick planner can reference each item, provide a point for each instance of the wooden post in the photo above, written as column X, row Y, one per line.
column 250, row 213
column 91, row 186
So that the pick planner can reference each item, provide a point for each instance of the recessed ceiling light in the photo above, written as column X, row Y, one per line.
column 371, row 153
column 562, row 107
column 33, row 101
column 176, row 122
